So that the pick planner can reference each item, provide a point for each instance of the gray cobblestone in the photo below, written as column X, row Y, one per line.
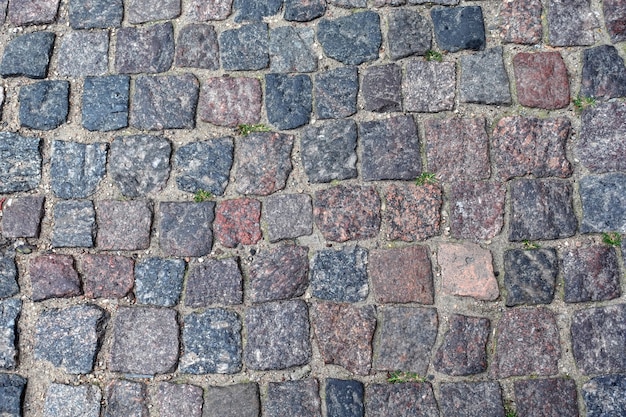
column 76, row 169
column 28, row 55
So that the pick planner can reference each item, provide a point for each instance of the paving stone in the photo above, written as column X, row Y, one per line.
column 291, row 49
column 401, row 275
column 215, row 281
column 604, row 73
column 288, row 216
column 381, row 88
column 328, row 151
column 344, row 398
column 107, row 276
column 92, row 58
column 205, row 10
column 140, row 164
column 340, row 275
column 3, row 10
column 238, row 222
column 278, row 335
column 458, row 28
column 105, row 102
column 530, row 276
column 598, row 339
column 179, row 399
column 527, row 343
column 28, row 55
column 230, row 101
column 349, row 4
column 468, row 399
column 96, row 14
column 467, row 271
column 245, row 48
column 197, row 47
column 408, row 33
column 288, row 100
column 601, row 146
column 211, row 343
column 402, row 400
column 614, row 19
column 541, row 209
column 520, row 21
column 126, row 399
column 185, row 229
column 303, row 10
column 12, row 389
column 476, row 209
column 74, row 224
column 145, row 341
column 412, row 212
column 70, row 337
column 123, row 225
column 484, row 79
column 21, row 217
column 141, row 11
column 20, row 163
column 279, row 273
column 604, row 396
column 76, row 169
column 144, row 49
column 159, row 281
column 264, row 160
column 555, row 397
column 457, row 149
column 352, row 39
column 8, row 276
column 463, row 350
column 590, row 274
column 44, row 105
column 571, row 23
column 53, row 276
column 442, row 2
column 541, row 80
column 204, row 165
column 9, row 312
column 429, row 87
column 255, row 10
column 405, row 339
column 72, row 400
column 336, row 92
column 293, row 398
column 239, row 400
column 32, row 12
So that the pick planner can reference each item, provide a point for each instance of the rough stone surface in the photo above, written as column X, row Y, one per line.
column 541, row 80
column 484, row 79
column 408, row 33
column 412, row 212
column 9, row 312
column 381, row 88
column 335, row 92
column 8, row 276
column 352, row 39
column 590, row 274
column 288, row 216
column 53, row 276
column 467, row 271
column 126, row 399
column 520, row 21
column 95, row 14
column 291, row 49
column 571, row 23
column 344, row 398
column 197, row 47
column 105, row 102
column 245, row 48
column 214, row 282
column 604, row 73
column 288, row 100
column 185, row 229
column 204, row 165
column 205, row 10
column 293, row 398
column 32, row 12
column 530, row 276
column 20, row 162
column 340, row 275
column 601, row 146
column 403, row 400
column 72, row 400
column 476, row 209
column 555, row 397
column 349, row 4
column 230, row 101
column 429, row 87
column 179, row 400
column 458, row 28
column 303, row 10
column 238, row 222
column 74, row 224
column 92, row 58
column 255, row 9
column 159, row 281
column 44, row 105
column 279, row 273
column 239, row 400
column 123, row 225
column 21, row 217
column 615, row 19
column 463, row 351
column 604, row 396
column 28, row 55
column 468, row 399
column 141, row 11
column 603, row 198
column 76, row 169
column 107, row 276
column 144, row 49
column 328, row 151
column 12, row 389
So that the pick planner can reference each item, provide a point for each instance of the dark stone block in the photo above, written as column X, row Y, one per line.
column 20, row 163
column 541, row 80
column 476, row 209
column 288, row 100
column 349, row 4
column 159, row 281
column 293, row 398
column 288, row 216
column 197, row 47
column 458, row 28
column 615, row 19
column 412, row 212
column 405, row 399
column 76, row 169
column 21, row 217
column 240, row 400
column 600, row 146
column 245, row 48
column 28, row 12
column 96, row 14
column 141, row 11
column 304, row 10
column 429, row 87
column 381, row 88
column 123, row 225
column 144, row 49
column 230, row 101
column 107, row 276
column 546, row 398
column 469, row 399
column 238, row 222
column 44, row 105
column 72, row 400
column 53, row 276
column 28, row 55
column 335, row 92
column 408, row 33
column 74, row 224
column 126, row 399
column 530, row 276
column 12, row 389
column 186, row 228
column 204, row 165
column 214, row 282
column 105, row 102
column 279, row 273
column 255, row 10
column 604, row 73
column 328, row 151
column 291, row 50
column 484, row 79
column 9, row 312
column 603, row 199
column 591, row 274
column 8, row 277
column 340, row 275
column 464, row 347
column 571, row 23
column 351, row 39
column 83, row 53
column 179, row 400
column 604, row 396
column 344, row 398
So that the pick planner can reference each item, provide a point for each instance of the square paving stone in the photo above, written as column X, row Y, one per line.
column 604, row 396
column 603, row 198
column 303, row 10
column 126, row 399
column 598, row 336
column 429, row 87
column 197, row 47
column 239, row 400
column 408, row 33
column 214, row 281
column 476, row 209
column 105, row 102
column 76, row 169
column 72, row 400
column 601, row 146
column 12, row 389
column 344, row 335
column 238, row 222
column 293, row 398
column 141, row 11
column 245, row 48
column 328, row 151
column 405, row 338
column 484, row 79
column 381, row 88
column 412, row 212
column 614, row 17
column 255, row 9
column 401, row 275
column 469, row 399
column 458, row 28
column 96, row 14
column 145, row 341
column 520, row 21
column 278, row 335
column 230, row 101
column 336, row 92
column 159, row 281
column 74, row 224
column 527, row 343
column 288, row 100
column 21, row 217
column 175, row 399
column 555, row 397
column 541, row 209
column 340, row 275
column 32, row 12
column 467, row 271
column 70, row 337
column 204, row 166
column 144, row 49
column 541, row 80
column 123, row 225
column 44, row 105
column 211, row 343
column 402, row 400
column 279, row 273
column 53, row 276
column 344, row 398
column 203, row 10
column 530, row 276
column 352, row 39
column 8, row 276
column 28, row 55
column 20, row 163
column 185, row 229
column 571, row 23
column 604, row 73
column 463, row 350
column 590, row 274
column 9, row 312
column 291, row 49
column 107, row 276
column 84, row 53
column 288, row 216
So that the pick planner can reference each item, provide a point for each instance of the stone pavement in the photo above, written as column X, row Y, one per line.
column 312, row 208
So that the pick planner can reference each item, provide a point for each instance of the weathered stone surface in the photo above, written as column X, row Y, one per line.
column 20, row 163
column 293, row 398
column 123, row 225
column 335, row 92
column 405, row 399
column 9, row 312
column 590, row 274
column 76, row 169
column 141, row 11
column 429, row 87
column 159, row 281
column 32, row 12
column 70, row 337
column 615, row 19
column 408, row 33
column 381, row 88
column 603, row 198
column 402, row 275
column 541, row 80
column 328, row 151
column 238, row 222
column 604, row 73
column 53, row 276
column 145, row 341
column 344, row 398
column 12, row 389
column 255, row 10
column 520, row 21
column 204, row 165
column 527, row 342
column 412, row 212
column 186, row 228
column 553, row 397
column 279, row 273
column 245, row 48
column 83, row 53
column 72, row 400
column 264, row 163
column 107, row 276
column 278, row 335
column 215, row 281
column 349, row 4
column 541, row 209
column 303, row 10
column 476, row 209
column 288, row 216
column 179, row 400
column 95, row 14
column 340, row 275
column 240, row 400
column 467, row 271
column 571, row 23
column 406, row 337
column 230, row 101
column 8, row 276
column 126, row 399
column 601, row 146
column 288, row 100
column 351, row 39
column 197, row 47
column 144, row 49
column 105, row 102
column 74, row 224
column 468, row 399
column 291, row 49
column 205, row 10
column 458, row 28
column 28, row 55
column 484, row 79
column 21, row 217
column 463, row 350
column 44, row 105
column 530, row 276
column 604, row 396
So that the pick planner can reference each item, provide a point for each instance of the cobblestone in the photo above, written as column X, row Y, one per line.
column 9, row 313
column 288, row 216
column 467, row 271
column 328, row 151
column 238, row 222
column 521, row 21
column 159, row 281
column 53, row 276
column 614, row 15
column 21, row 217
column 197, row 47
column 484, row 79
column 105, row 102
column 12, row 389
column 230, row 101
column 288, row 100
column 214, row 282
column 291, row 50
column 28, row 55
column 74, row 224
column 304, row 10
column 340, row 275
column 336, row 92
column 381, row 88
column 72, row 400
column 603, row 397
column 245, row 48
column 95, row 14
column 530, row 276
column 409, row 33
column 546, row 397
column 352, row 39
column 293, row 398
column 107, row 276
column 602, row 196
column 29, row 12
column 141, row 11
column 344, row 398
column 541, row 80
column 423, row 203
column 571, row 23
column 126, row 398
column 92, row 59
column 202, row 10
column 185, row 229
column 429, row 87
column 280, row 273
column 463, row 351
column 404, row 399
column 466, row 399
column 590, row 274
column 8, row 276
column 176, row 399
column 123, row 225
column 144, row 49
column 20, row 162
column 44, row 105
column 604, row 73
column 204, row 165
column 476, row 209
column 458, row 28
column 600, row 147
column 239, row 400
column 76, row 169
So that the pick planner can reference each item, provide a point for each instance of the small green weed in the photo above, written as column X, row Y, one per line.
column 245, row 130
column 397, row 377
column 530, row 245
column 202, row 195
column 581, row 103
column 510, row 413
column 426, row 178
column 433, row 56
column 612, row 239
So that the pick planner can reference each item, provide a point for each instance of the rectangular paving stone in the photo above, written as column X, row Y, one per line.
column 352, row 39
column 20, row 162
column 541, row 80
column 614, row 18
column 204, row 166
column 214, row 281
column 603, row 396
column 230, row 101
column 408, row 33
column 21, row 217
column 293, row 398
column 520, row 21
column 141, row 11
column 12, row 389
column 76, row 169
column 601, row 146
column 105, row 102
column 571, row 23
column 74, row 224
column 44, row 105
column 278, row 273
column 126, row 399
column 458, row 28
column 340, row 275
column 28, row 55
column 467, row 271
column 303, row 10
column 32, row 12
column 530, row 276
column 288, row 100
column 197, row 47
column 144, row 49
column 291, row 50
column 429, row 87
column 335, row 92
column 412, row 212
column 404, row 399
column 9, row 312
column 463, row 350
column 476, row 209
column 8, row 276
column 53, row 276
column 96, row 14
column 288, row 216
column 239, row 400
column 468, row 399
column 484, row 79
column 603, row 198
column 174, row 399
column 328, row 151
column 255, row 9
column 205, row 10
column 107, row 276
column 238, row 222
column 381, row 88
column 72, row 400
column 349, row 4
column 185, row 229
column 344, row 398
column 590, row 274
column 159, row 281
column 546, row 397
column 123, row 225
column 245, row 48
column 604, row 73
column 83, row 53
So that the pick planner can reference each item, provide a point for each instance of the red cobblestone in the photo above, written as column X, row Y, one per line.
column 521, row 21
column 476, row 209
column 541, row 80
column 412, row 212
column 53, row 276
column 107, row 276
column 238, row 222
column 230, row 101
column 467, row 271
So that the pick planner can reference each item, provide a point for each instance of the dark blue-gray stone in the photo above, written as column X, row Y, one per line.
column 77, row 168
column 239, row 400
column 20, row 163
column 204, row 165
column 604, row 73
column 288, row 100
column 9, row 311
column 44, row 105
column 12, row 388
column 458, row 28
column 530, row 276
column 211, row 343
column 28, row 55
column 340, row 275
column 245, row 48
column 82, row 53
column 105, row 102
column 604, row 396
column 96, row 14
column 291, row 50
column 409, row 33
column 603, row 199
column 74, row 224
column 8, row 276
column 197, row 47
column 147, row 49
column 335, row 93
column 304, row 10
column 72, row 401
column 381, row 88
column 344, row 398
column 186, row 228
column 349, row 4
column 159, row 281
column 328, row 151
column 484, row 79
column 352, row 39
column 470, row 399
column 255, row 9
column 293, row 398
